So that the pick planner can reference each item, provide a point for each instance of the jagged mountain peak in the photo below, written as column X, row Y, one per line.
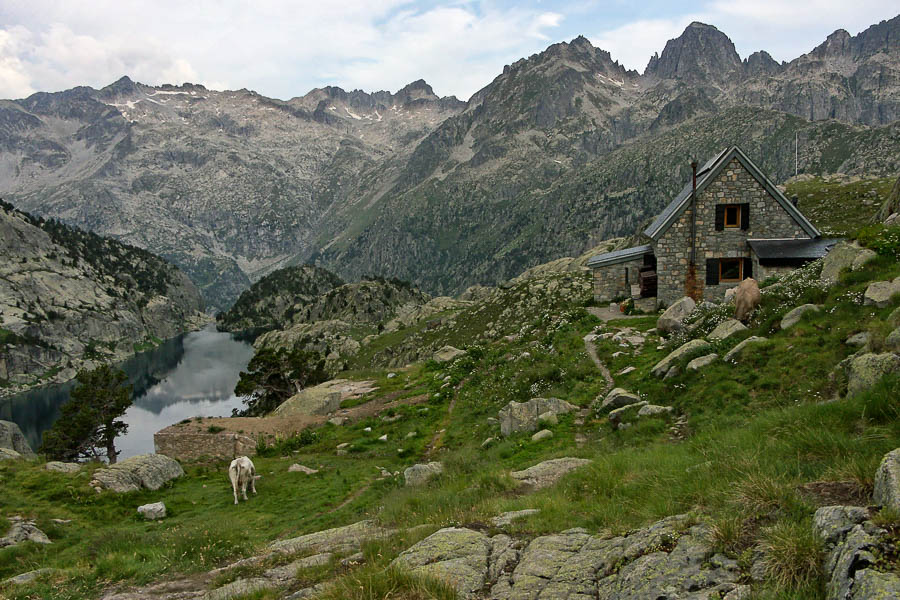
column 701, row 52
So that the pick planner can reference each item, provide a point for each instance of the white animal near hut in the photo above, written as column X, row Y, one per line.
column 242, row 472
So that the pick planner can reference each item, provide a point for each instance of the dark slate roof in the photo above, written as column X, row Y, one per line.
column 619, row 256
column 792, row 248
column 707, row 174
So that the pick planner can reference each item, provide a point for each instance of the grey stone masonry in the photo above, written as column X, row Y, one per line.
column 614, row 281
column 734, row 185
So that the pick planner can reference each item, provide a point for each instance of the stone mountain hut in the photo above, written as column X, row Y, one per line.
column 736, row 225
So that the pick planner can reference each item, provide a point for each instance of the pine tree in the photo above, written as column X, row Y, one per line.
column 273, row 376
column 87, row 426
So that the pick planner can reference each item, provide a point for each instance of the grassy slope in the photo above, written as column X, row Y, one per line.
column 756, row 431
column 840, row 206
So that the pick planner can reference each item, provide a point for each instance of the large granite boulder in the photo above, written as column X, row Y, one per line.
column 692, row 347
column 151, row 512
column 447, row 354
column 149, row 471
column 22, row 530
column 841, row 257
column 833, row 523
column 616, row 398
column 793, row 316
column 458, row 556
column 617, row 417
column 9, row 454
column 887, row 481
column 702, row 361
column 324, row 398
column 548, row 472
column 345, row 540
column 879, row 293
column 865, row 370
column 736, row 352
column 524, row 416
column 420, row 474
column 12, row 437
column 62, row 467
column 726, row 329
column 673, row 317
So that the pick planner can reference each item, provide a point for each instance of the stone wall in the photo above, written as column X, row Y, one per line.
column 734, row 185
column 614, row 281
column 192, row 445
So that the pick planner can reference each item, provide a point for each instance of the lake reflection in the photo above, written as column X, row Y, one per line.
column 191, row 375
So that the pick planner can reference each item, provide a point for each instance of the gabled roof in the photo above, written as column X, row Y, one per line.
column 619, row 256
column 708, row 174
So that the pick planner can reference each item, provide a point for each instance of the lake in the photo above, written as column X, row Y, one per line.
column 191, row 375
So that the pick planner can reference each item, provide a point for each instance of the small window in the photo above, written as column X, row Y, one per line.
column 732, row 216
column 731, row 269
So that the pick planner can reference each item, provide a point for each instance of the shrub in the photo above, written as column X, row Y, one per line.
column 883, row 240
column 793, row 555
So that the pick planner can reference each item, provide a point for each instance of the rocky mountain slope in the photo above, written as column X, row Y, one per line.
column 273, row 300
column 69, row 298
column 563, row 149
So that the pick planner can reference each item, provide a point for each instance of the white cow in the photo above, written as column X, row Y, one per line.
column 241, row 472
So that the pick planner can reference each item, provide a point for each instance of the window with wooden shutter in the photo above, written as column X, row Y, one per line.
column 745, row 216
column 748, row 268
column 720, row 217
column 732, row 216
column 712, row 271
column 730, row 269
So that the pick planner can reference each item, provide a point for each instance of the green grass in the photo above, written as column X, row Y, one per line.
column 756, row 431
column 840, row 207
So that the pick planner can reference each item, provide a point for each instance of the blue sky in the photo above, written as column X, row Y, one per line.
column 283, row 49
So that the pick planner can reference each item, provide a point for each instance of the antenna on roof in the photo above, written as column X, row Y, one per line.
column 796, row 152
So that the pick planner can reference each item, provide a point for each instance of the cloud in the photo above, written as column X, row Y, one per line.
column 14, row 79
column 634, row 43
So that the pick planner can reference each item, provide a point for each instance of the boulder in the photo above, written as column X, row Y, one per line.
column 735, row 352
column 887, row 481
column 23, row 531
column 295, row 468
column 693, row 346
column 654, row 410
column 447, row 354
column 506, row 519
column 616, row 417
column 148, row 471
column 457, row 556
column 12, row 437
column 858, row 340
column 523, row 416
column 673, row 318
column 832, row 523
column 62, row 467
column 240, row 588
column 865, row 370
column 543, row 434
column 547, row 473
column 702, row 361
column 864, row 256
column 28, row 577
column 154, row 511
column 838, row 258
column 421, row 473
column 344, row 540
column 892, row 341
column 324, row 398
column 879, row 293
column 9, row 454
column 725, row 330
column 617, row 398
column 793, row 316
column 548, row 418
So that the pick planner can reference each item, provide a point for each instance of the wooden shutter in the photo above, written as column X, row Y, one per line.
column 748, row 268
column 745, row 216
column 720, row 217
column 712, row 271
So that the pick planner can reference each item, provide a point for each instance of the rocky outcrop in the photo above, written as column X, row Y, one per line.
column 887, row 481
column 70, row 299
column 22, row 530
column 524, row 416
column 794, row 315
column 420, row 474
column 144, row 471
column 62, row 467
column 702, row 361
column 616, row 398
column 324, row 398
column 668, row 559
column 725, row 330
column 447, row 354
column 11, row 437
column 548, row 472
column 841, row 257
column 680, row 353
column 880, row 293
column 344, row 540
column 673, row 318
column 735, row 353
column 865, row 370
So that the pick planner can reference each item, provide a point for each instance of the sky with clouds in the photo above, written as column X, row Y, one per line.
column 283, row 48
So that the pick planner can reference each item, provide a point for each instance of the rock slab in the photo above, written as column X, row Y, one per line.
column 673, row 318
column 865, row 370
column 691, row 347
column 11, row 437
column 547, row 473
column 149, row 471
column 726, row 329
column 420, row 474
column 735, row 353
column 151, row 512
column 887, row 481
column 523, row 416
column 793, row 317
